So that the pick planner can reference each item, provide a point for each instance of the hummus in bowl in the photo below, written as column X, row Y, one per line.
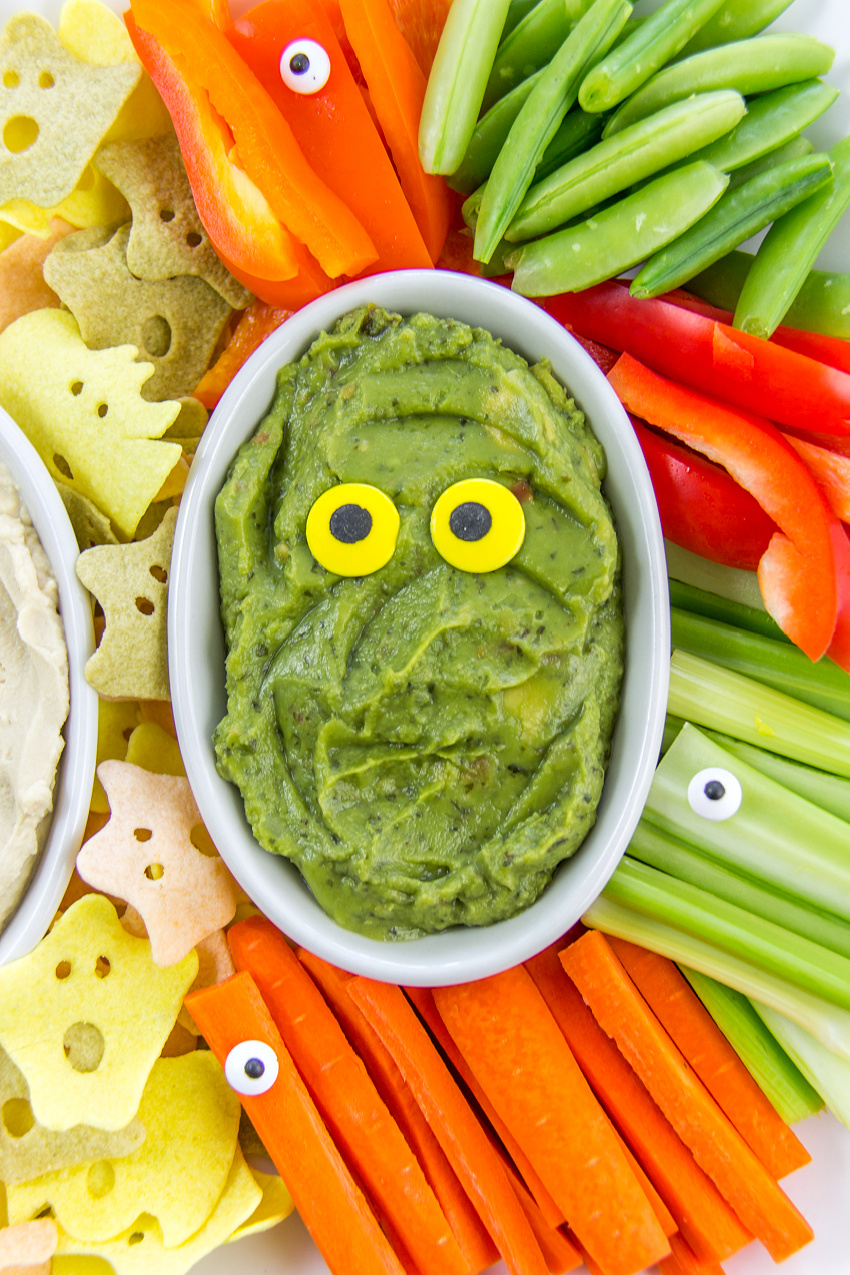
column 48, row 713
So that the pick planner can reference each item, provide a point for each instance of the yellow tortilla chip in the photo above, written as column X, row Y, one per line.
column 275, row 1205
column 94, row 201
column 153, row 749
column 116, row 721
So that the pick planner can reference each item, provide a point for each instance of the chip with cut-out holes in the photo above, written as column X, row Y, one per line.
column 85, row 1014
column 47, row 138
column 275, row 1205
column 94, row 201
column 83, row 412
column 167, row 237
column 22, row 285
column 174, row 323
column 154, row 749
column 116, row 721
column 131, row 584
column 27, row 1149
column 191, row 1118
column 146, row 855
column 91, row 527
column 27, row 1245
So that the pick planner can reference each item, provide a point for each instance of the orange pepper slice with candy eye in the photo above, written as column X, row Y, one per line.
column 268, row 152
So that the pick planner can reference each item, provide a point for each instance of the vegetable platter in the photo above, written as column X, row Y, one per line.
column 819, row 1190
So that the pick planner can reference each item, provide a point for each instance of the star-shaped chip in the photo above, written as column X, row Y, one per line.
column 85, row 1014
column 174, row 323
column 48, row 139
column 146, row 855
column 130, row 582
column 167, row 236
column 83, row 412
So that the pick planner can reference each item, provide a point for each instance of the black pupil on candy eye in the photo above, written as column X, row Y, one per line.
column 350, row 524
column 714, row 790
column 254, row 1068
column 470, row 521
column 299, row 63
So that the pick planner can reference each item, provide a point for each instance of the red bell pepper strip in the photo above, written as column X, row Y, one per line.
column 831, row 472
column 397, row 90
column 747, row 372
column 702, row 508
column 332, row 127
column 267, row 149
column 797, row 574
column 234, row 212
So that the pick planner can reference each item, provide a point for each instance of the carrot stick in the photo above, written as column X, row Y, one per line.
column 704, row 1218
column 332, row 1206
column 468, row 1229
column 717, row 1146
column 559, row 1254
column 683, row 1261
column 423, row 999
column 515, row 1048
column 665, row 1218
column 358, row 1119
column 453, row 1121
column 695, row 1033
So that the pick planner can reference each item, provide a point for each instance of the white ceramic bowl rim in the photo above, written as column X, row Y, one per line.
column 75, row 774
column 196, row 644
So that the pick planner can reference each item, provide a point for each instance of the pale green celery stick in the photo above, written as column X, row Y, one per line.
column 714, row 577
column 689, row 597
column 822, row 304
column 782, row 1082
column 826, row 1071
column 772, row 119
column 457, row 81
column 775, row 838
column 708, row 695
column 660, row 850
column 778, row 664
column 735, row 20
column 829, row 1024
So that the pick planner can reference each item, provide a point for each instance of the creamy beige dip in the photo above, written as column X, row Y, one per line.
column 33, row 694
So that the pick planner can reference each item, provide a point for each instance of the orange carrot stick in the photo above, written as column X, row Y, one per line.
column 559, row 1254
column 423, row 999
column 717, row 1146
column 358, row 1119
column 453, row 1121
column 332, row 1206
column 704, row 1218
column 695, row 1033
column 514, row 1046
column 683, row 1261
column 468, row 1229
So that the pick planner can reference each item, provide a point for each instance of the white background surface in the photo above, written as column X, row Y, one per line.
column 822, row 1190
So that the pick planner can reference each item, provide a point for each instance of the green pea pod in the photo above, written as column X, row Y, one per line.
column 488, row 137
column 613, row 165
column 822, row 304
column 531, row 45
column 740, row 213
column 794, row 148
column 576, row 133
column 790, row 249
column 656, row 40
column 735, row 20
column 539, row 119
column 771, row 120
column 517, row 10
column 618, row 237
column 457, row 81
column 750, row 66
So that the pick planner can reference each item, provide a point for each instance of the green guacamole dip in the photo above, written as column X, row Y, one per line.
column 424, row 743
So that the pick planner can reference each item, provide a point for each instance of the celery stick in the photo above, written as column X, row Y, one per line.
column 727, row 582
column 708, row 695
column 827, row 1072
column 829, row 1024
column 660, row 850
column 689, row 597
column 767, row 1062
column 775, row 838
column 778, row 664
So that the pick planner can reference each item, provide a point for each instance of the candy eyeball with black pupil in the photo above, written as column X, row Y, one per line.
column 715, row 794
column 251, row 1067
column 305, row 66
column 352, row 529
column 477, row 525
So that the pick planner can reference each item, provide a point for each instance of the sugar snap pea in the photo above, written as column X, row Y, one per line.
column 488, row 137
column 654, row 42
column 457, row 81
column 738, row 215
column 614, row 165
column 758, row 65
column 794, row 148
column 822, row 304
column 735, row 20
column 517, row 9
column 790, row 249
column 531, row 45
column 576, row 133
column 617, row 237
column 539, row 119
column 771, row 120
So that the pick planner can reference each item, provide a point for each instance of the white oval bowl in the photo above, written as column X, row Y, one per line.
column 197, row 651
column 75, row 773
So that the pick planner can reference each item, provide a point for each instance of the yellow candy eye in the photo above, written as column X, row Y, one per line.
column 477, row 525
column 352, row 529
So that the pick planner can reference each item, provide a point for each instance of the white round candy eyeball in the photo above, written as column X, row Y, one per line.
column 305, row 66
column 251, row 1067
column 715, row 794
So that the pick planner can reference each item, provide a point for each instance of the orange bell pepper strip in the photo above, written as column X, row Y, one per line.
column 397, row 89
column 234, row 212
column 258, row 320
column 332, row 126
column 267, row 150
